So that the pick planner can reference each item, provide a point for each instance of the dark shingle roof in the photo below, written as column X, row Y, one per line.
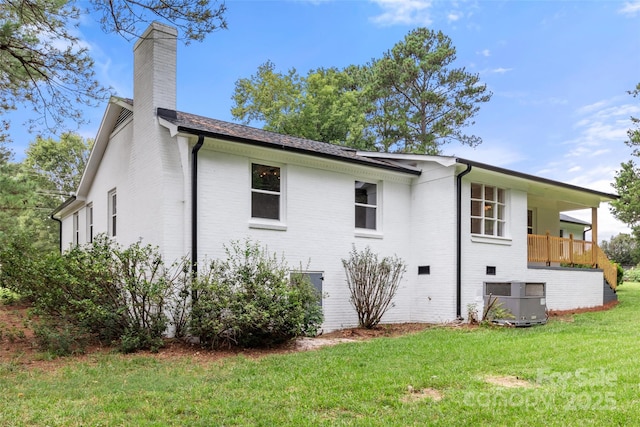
column 199, row 125
column 567, row 218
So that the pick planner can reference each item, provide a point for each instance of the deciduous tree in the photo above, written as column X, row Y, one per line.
column 627, row 179
column 59, row 163
column 412, row 100
column 324, row 106
column 623, row 249
column 31, row 190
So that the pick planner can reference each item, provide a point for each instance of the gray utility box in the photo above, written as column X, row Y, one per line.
column 526, row 301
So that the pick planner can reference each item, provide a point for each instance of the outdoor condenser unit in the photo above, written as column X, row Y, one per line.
column 525, row 301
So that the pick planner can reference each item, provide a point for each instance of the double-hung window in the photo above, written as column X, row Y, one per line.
column 488, row 210
column 76, row 228
column 266, row 191
column 113, row 213
column 90, row 223
column 366, row 196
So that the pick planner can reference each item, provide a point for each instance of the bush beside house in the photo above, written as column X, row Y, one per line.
column 130, row 297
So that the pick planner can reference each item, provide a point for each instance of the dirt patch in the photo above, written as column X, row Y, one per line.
column 304, row 344
column 390, row 330
column 16, row 334
column 567, row 315
column 414, row 394
column 509, row 381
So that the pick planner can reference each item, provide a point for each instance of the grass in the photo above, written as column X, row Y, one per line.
column 582, row 372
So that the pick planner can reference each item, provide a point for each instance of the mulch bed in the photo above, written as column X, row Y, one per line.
column 17, row 340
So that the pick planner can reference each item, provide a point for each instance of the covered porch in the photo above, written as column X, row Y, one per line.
column 569, row 252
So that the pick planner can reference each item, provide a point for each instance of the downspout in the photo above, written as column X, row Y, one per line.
column 194, row 210
column 584, row 233
column 59, row 231
column 459, row 242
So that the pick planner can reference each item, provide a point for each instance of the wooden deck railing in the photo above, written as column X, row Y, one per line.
column 609, row 268
column 550, row 249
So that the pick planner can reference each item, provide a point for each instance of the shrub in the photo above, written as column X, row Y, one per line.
column 20, row 263
column 117, row 295
column 372, row 283
column 632, row 275
column 8, row 297
column 60, row 338
column 620, row 276
column 250, row 299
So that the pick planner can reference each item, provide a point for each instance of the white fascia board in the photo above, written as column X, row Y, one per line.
column 446, row 161
column 73, row 207
column 121, row 102
column 100, row 144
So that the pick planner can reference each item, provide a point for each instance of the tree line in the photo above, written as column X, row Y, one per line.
column 30, row 190
column 412, row 100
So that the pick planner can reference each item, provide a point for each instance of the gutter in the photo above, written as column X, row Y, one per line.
column 59, row 221
column 64, row 204
column 459, row 241
column 194, row 210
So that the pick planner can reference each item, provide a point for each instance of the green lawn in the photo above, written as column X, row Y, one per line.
column 583, row 372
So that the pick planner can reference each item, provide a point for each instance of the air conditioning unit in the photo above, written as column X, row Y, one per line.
column 525, row 301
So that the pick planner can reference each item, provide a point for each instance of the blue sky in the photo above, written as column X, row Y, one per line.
column 559, row 71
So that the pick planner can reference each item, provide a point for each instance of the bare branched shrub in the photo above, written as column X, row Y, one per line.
column 372, row 283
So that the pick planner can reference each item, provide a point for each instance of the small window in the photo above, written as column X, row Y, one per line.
column 366, row 205
column 90, row 223
column 113, row 213
column 265, row 191
column 76, row 229
column 488, row 210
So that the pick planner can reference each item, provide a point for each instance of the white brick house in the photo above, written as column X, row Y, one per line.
column 190, row 184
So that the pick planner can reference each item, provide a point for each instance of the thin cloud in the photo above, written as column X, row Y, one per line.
column 454, row 16
column 485, row 52
column 593, row 107
column 500, row 70
column 403, row 12
column 602, row 123
column 631, row 8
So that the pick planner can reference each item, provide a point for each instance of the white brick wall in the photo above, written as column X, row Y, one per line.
column 569, row 289
column 151, row 172
column 319, row 219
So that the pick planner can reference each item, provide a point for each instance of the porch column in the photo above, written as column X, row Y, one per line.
column 594, row 225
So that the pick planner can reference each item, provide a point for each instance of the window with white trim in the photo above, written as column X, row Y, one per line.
column 113, row 213
column 488, row 210
column 90, row 223
column 366, row 198
column 265, row 191
column 76, row 228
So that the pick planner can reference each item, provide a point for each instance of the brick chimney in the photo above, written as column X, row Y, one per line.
column 151, row 151
column 154, row 65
